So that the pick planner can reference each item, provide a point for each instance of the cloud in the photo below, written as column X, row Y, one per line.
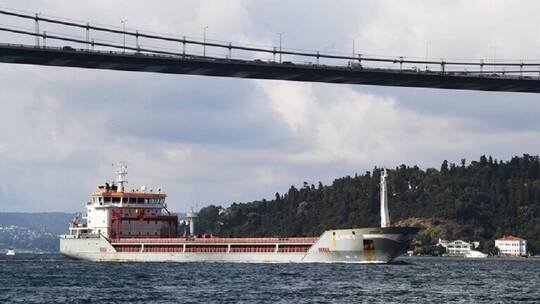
column 361, row 129
column 215, row 140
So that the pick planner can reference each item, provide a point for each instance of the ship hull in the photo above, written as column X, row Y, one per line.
column 361, row 245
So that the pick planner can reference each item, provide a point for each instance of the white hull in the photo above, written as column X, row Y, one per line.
column 334, row 246
column 476, row 254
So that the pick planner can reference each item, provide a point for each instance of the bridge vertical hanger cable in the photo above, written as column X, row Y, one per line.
column 183, row 46
column 137, row 41
column 87, row 36
column 353, row 51
column 123, row 21
column 204, row 40
column 37, row 29
column 280, row 49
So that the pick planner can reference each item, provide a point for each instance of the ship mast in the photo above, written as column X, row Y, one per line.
column 385, row 217
column 121, row 172
column 191, row 216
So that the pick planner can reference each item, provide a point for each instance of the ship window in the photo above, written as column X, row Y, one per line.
column 369, row 245
column 126, row 200
column 100, row 199
column 116, row 200
column 140, row 201
column 147, row 232
column 106, row 199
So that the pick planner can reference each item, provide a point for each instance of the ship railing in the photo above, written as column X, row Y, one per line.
column 293, row 240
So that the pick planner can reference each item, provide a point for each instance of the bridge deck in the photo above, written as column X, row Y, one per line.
column 256, row 69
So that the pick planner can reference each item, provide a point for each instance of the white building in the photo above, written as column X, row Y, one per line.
column 458, row 247
column 511, row 246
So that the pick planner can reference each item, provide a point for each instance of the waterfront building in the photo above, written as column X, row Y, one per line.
column 457, row 247
column 511, row 246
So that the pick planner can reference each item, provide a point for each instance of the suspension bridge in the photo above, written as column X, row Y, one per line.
column 79, row 44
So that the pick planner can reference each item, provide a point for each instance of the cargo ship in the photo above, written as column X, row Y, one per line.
column 136, row 226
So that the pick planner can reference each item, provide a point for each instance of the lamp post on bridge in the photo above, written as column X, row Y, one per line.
column 353, row 51
column 280, row 38
column 353, row 48
column 428, row 44
column 494, row 47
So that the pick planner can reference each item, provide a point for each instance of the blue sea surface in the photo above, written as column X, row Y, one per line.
column 32, row 278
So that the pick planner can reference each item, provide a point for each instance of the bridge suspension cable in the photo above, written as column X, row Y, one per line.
column 508, row 76
column 229, row 46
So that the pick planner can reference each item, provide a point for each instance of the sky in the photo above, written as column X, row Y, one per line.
column 211, row 140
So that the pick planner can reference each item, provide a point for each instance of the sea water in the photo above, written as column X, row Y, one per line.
column 32, row 278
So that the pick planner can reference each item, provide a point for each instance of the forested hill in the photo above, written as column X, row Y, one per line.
column 485, row 199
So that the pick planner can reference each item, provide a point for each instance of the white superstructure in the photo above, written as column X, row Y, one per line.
column 114, row 212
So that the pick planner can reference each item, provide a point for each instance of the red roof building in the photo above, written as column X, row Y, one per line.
column 511, row 246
